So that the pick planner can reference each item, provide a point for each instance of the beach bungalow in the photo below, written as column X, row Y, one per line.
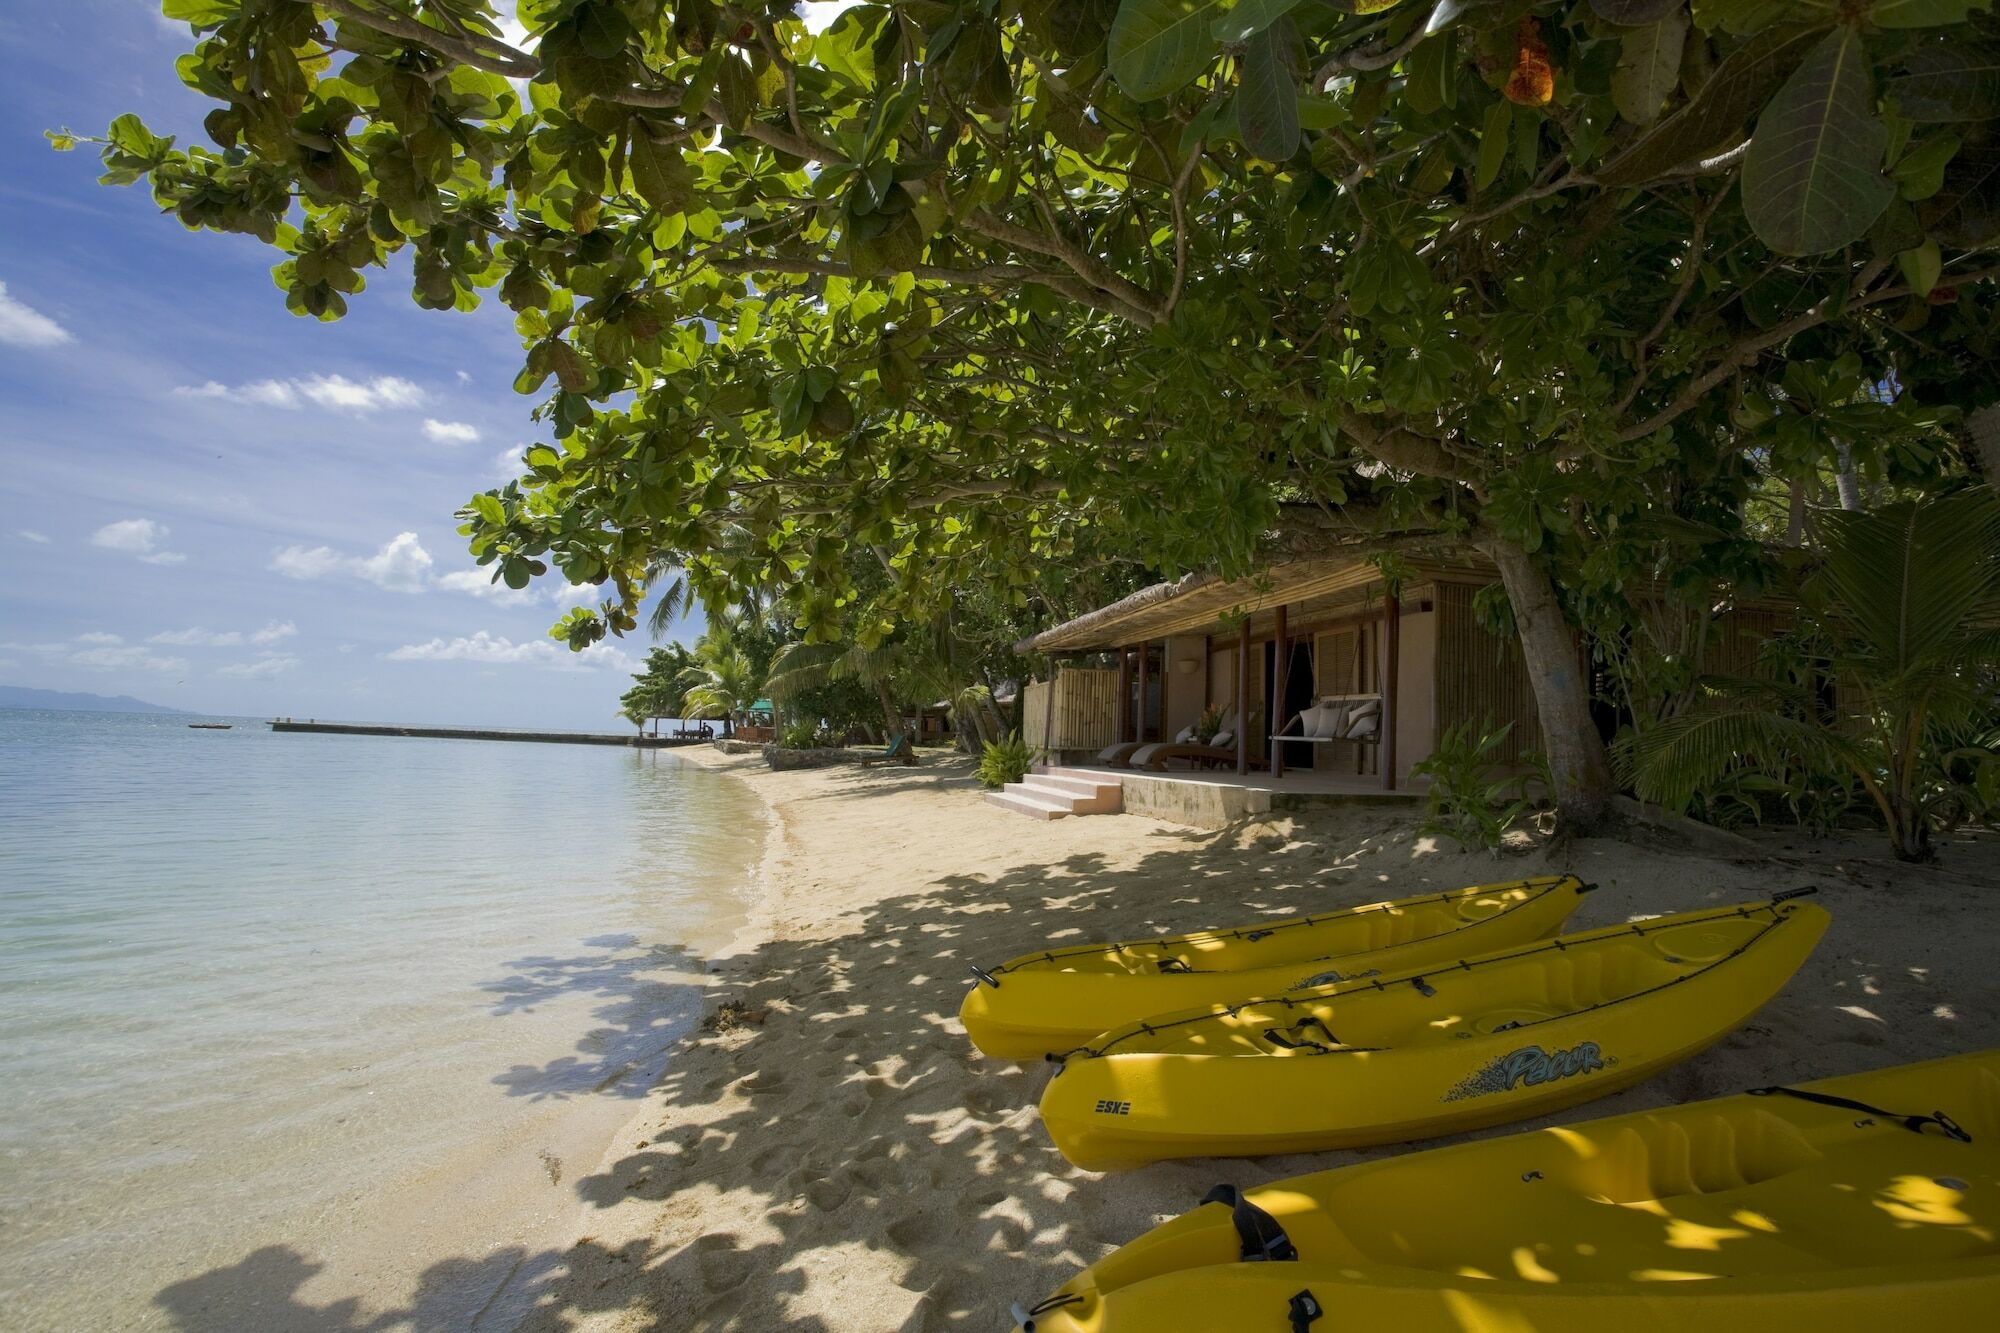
column 1324, row 679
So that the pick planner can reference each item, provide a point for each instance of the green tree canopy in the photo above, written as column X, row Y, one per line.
column 988, row 285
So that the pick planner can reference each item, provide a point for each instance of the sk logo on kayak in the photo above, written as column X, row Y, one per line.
column 1528, row 1066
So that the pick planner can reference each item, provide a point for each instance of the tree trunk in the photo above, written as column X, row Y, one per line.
column 1849, row 484
column 1795, row 520
column 1982, row 427
column 1562, row 693
column 891, row 715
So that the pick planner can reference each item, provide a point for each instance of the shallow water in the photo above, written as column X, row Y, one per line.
column 251, row 985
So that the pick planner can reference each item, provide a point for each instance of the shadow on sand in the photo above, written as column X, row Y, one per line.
column 857, row 1128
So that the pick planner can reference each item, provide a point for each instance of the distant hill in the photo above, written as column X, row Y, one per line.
column 20, row 696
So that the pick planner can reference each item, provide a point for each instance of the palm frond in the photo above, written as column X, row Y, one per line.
column 1906, row 579
column 1670, row 763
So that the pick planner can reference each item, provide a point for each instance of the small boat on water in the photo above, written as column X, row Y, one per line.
column 211, row 726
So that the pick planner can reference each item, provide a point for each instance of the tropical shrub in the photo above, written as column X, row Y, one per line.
column 1901, row 616
column 799, row 736
column 1005, row 761
column 1471, row 798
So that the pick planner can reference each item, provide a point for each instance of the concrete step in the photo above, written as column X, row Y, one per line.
column 1010, row 798
column 1074, row 771
column 1097, row 784
column 1100, row 799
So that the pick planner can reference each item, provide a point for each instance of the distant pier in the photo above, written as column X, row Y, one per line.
column 487, row 734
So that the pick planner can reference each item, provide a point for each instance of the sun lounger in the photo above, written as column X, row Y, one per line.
column 1157, row 756
column 1119, row 755
column 899, row 752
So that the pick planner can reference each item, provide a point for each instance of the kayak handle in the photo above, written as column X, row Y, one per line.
column 1790, row 894
column 985, row 976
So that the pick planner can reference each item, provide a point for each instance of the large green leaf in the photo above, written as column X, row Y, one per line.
column 660, row 174
column 1267, row 102
column 1634, row 13
column 1739, row 86
column 1813, row 179
column 1649, row 67
column 1251, row 17
column 1922, row 13
column 1965, row 211
column 1948, row 80
column 1157, row 46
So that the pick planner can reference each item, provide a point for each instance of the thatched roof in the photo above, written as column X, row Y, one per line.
column 1199, row 603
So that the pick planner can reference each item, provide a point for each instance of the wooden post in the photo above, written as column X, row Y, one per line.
column 1122, row 714
column 1049, row 716
column 1392, row 637
column 1280, row 668
column 1140, row 734
column 1243, row 699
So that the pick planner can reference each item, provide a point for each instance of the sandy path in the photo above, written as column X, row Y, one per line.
column 854, row 1164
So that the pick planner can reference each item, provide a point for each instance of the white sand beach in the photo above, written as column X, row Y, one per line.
column 851, row 1163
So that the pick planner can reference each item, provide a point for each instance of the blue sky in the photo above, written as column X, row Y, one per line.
column 210, row 503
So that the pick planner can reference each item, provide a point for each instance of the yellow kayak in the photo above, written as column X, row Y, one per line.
column 1857, row 1204
column 1054, row 1000
column 1407, row 1056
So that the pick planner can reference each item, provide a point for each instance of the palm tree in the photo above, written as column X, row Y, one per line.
column 1905, row 606
column 722, row 682
column 805, row 666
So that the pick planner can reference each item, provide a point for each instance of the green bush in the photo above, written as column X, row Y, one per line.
column 799, row 736
column 1470, row 800
column 1002, row 762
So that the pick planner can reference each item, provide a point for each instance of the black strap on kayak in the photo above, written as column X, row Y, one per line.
column 1173, row 965
column 1263, row 1240
column 1026, row 1318
column 1305, row 1311
column 1277, row 1037
column 1914, row 1123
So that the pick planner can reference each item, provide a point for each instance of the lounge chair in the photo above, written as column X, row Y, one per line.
column 1217, row 749
column 1120, row 755
column 898, row 752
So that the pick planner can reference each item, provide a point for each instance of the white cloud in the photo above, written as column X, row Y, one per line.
column 98, row 637
column 450, row 432
column 335, row 393
column 208, row 638
column 30, row 535
column 342, row 394
column 508, row 464
column 140, row 537
column 262, row 669
column 495, row 650
column 197, row 638
column 402, row 565
column 479, row 582
column 300, row 562
column 132, row 658
column 465, row 377
column 22, row 326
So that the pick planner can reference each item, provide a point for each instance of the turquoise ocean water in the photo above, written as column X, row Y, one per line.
column 257, row 989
